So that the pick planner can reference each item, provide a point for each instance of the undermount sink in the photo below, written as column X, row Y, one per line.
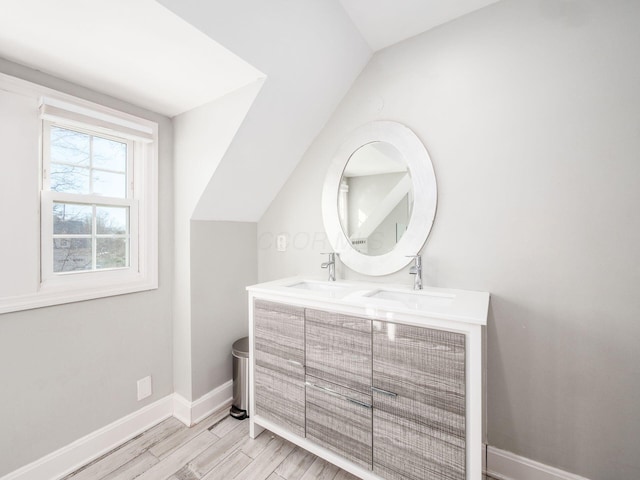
column 414, row 300
column 325, row 288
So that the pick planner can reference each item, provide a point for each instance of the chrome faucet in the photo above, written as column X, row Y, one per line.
column 416, row 269
column 331, row 265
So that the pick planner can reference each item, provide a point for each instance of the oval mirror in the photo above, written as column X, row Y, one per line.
column 379, row 198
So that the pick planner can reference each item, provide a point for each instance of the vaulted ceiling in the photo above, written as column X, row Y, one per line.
column 140, row 52
column 171, row 56
column 135, row 50
column 385, row 22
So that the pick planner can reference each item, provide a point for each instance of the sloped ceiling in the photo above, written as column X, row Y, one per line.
column 135, row 50
column 311, row 53
column 192, row 52
column 385, row 22
column 140, row 52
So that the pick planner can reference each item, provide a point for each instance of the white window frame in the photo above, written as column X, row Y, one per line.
column 49, row 197
column 141, row 138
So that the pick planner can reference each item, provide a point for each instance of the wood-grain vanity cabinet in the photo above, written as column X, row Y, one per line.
column 382, row 399
column 279, row 375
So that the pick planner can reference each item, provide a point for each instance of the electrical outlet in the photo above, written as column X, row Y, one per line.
column 281, row 243
column 144, row 388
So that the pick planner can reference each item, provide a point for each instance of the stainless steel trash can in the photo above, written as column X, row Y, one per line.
column 240, row 353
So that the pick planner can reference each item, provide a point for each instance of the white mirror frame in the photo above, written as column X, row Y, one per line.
column 424, row 190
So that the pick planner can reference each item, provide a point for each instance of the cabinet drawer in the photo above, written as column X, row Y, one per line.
column 404, row 449
column 280, row 398
column 278, row 336
column 338, row 349
column 340, row 419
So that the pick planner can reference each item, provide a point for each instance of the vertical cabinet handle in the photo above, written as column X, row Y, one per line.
column 384, row 392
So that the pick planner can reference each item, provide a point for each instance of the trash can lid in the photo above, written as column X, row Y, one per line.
column 241, row 347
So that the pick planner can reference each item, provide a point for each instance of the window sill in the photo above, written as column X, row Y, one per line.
column 53, row 296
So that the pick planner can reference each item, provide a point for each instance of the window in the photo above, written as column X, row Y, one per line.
column 79, row 191
column 91, row 198
column 93, row 201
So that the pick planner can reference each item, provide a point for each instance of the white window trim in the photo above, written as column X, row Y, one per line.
column 60, row 289
column 48, row 197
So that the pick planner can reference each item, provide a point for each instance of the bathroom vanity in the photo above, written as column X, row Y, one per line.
column 383, row 381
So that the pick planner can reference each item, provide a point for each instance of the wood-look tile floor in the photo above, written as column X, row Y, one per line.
column 218, row 448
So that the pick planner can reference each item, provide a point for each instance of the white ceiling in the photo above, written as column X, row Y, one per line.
column 140, row 52
column 135, row 50
column 311, row 53
column 385, row 22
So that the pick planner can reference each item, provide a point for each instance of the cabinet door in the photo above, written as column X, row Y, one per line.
column 418, row 403
column 279, row 364
column 338, row 349
column 339, row 419
column 279, row 336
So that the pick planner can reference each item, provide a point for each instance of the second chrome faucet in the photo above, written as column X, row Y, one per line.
column 416, row 269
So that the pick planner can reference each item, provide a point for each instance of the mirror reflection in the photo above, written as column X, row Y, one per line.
column 375, row 198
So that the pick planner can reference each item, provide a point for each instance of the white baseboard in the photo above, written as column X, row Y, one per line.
column 500, row 464
column 504, row 465
column 86, row 449
column 191, row 413
column 212, row 401
column 67, row 459
column 181, row 409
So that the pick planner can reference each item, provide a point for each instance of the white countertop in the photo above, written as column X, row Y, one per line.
column 380, row 300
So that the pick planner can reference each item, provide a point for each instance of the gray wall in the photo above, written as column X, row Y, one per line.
column 223, row 263
column 71, row 369
column 201, row 136
column 529, row 110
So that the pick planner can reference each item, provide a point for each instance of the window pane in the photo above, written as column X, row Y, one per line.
column 68, row 179
column 109, row 184
column 111, row 253
column 109, row 154
column 112, row 220
column 71, row 254
column 69, row 218
column 69, row 147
